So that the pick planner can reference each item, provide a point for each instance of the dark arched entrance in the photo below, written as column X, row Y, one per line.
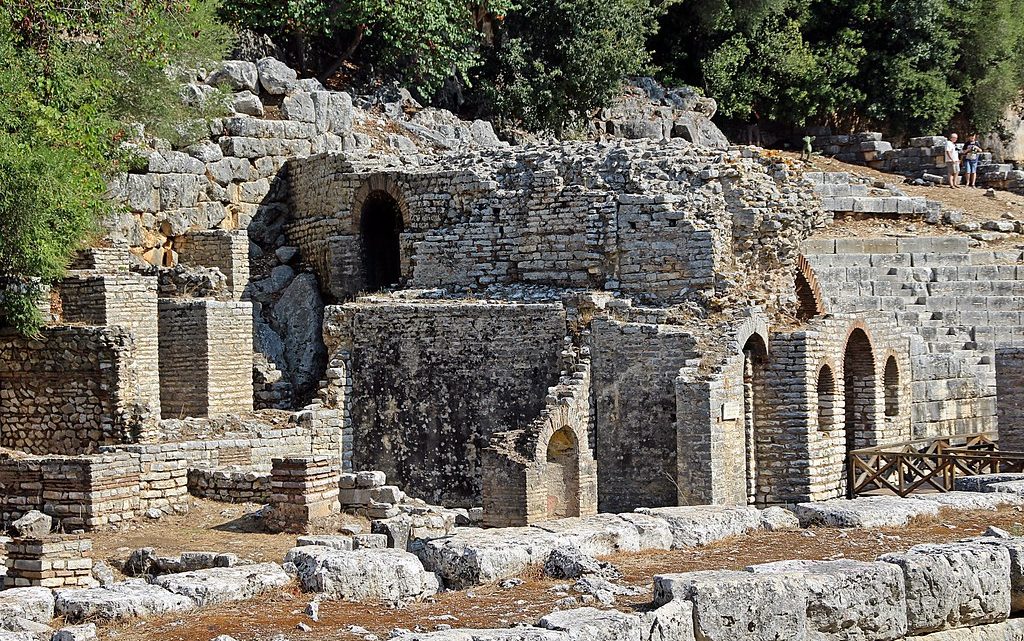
column 380, row 226
column 755, row 353
column 859, row 394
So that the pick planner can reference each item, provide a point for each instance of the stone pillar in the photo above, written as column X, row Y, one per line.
column 304, row 494
column 205, row 357
column 225, row 250
column 55, row 561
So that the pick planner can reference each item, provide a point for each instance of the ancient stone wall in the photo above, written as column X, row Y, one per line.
column 229, row 485
column 70, row 390
column 1010, row 395
column 634, row 367
column 432, row 380
column 206, row 364
column 304, row 494
column 225, row 250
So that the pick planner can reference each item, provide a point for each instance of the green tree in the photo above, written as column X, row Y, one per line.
column 75, row 79
column 556, row 60
column 419, row 42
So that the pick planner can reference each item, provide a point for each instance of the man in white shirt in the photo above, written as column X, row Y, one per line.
column 953, row 161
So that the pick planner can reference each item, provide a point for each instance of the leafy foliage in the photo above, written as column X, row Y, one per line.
column 903, row 65
column 75, row 78
column 418, row 42
column 555, row 60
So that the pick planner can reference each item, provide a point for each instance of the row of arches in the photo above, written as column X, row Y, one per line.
column 850, row 412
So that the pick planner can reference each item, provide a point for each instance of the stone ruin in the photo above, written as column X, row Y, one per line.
column 326, row 286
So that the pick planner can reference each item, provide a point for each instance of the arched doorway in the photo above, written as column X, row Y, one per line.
column 826, row 389
column 562, row 475
column 891, row 380
column 380, row 227
column 859, row 394
column 755, row 353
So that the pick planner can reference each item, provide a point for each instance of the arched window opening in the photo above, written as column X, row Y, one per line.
column 859, row 391
column 807, row 302
column 892, row 387
column 561, row 475
column 380, row 226
column 826, row 399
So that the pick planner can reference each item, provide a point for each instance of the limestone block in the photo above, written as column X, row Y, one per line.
column 973, row 500
column 32, row 603
column 739, row 606
column 333, row 112
column 336, row 541
column 591, row 624
column 850, row 600
column 299, row 106
column 246, row 102
column 221, row 585
column 131, row 599
column 237, row 75
column 704, row 524
column 34, row 525
column 954, row 585
column 670, row 622
column 496, row 634
column 778, row 519
column 84, row 632
column 865, row 511
column 276, row 78
column 362, row 575
column 1014, row 546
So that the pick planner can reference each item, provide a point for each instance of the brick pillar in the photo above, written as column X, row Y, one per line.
column 55, row 561
column 304, row 494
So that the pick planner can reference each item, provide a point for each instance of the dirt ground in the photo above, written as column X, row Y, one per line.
column 492, row 606
column 976, row 206
column 208, row 526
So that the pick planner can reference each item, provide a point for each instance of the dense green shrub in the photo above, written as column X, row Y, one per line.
column 75, row 78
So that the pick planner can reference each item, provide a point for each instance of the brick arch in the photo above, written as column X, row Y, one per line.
column 374, row 184
column 827, row 396
column 860, row 388
column 808, row 292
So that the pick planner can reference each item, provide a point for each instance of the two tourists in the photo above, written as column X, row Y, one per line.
column 971, row 155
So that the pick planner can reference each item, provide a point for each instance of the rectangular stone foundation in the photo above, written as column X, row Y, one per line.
column 53, row 562
column 304, row 494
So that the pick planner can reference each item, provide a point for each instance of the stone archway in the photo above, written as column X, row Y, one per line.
column 755, row 355
column 891, row 382
column 859, row 393
column 380, row 227
column 561, row 475
column 826, row 397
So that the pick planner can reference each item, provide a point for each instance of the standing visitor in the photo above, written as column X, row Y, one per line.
column 953, row 161
column 754, row 128
column 972, row 153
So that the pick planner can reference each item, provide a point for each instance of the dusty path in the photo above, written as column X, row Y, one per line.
column 492, row 606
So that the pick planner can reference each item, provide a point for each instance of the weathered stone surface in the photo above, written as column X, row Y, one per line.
column 275, row 76
column 981, row 482
column 739, row 606
column 336, row 541
column 84, row 632
column 591, row 624
column 972, row 500
column 131, row 599
column 362, row 575
column 248, row 103
column 849, row 600
column 140, row 562
column 865, row 511
column 500, row 634
column 237, row 75
column 569, row 562
column 35, row 604
column 34, row 525
column 954, row 585
column 672, row 621
column 298, row 317
column 778, row 519
column 221, row 585
column 299, row 106
column 704, row 524
column 1014, row 546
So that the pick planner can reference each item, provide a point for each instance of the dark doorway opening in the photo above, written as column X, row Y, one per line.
column 380, row 226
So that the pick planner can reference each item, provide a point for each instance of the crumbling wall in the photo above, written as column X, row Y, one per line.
column 1010, row 395
column 432, row 380
column 225, row 250
column 70, row 390
column 634, row 368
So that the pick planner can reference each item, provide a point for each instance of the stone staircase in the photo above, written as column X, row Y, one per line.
column 958, row 306
column 845, row 193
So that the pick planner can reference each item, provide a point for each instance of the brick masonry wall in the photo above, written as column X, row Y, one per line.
column 206, row 364
column 227, row 250
column 467, row 369
column 71, row 390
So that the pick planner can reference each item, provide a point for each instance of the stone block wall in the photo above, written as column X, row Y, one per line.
column 303, row 493
column 226, row 250
column 127, row 300
column 51, row 562
column 467, row 369
column 1010, row 395
column 70, row 390
column 547, row 470
column 206, row 357
column 230, row 485
column 634, row 367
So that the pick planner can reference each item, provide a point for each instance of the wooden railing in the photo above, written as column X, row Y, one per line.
column 927, row 464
